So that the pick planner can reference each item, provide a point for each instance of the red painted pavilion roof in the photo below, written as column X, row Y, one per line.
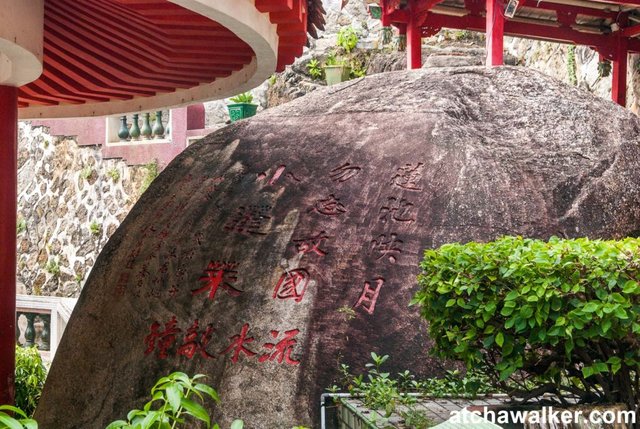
column 97, row 53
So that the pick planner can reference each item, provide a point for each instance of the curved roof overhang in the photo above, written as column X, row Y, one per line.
column 115, row 56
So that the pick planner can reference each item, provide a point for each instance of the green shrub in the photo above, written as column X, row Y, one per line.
column 30, row 377
column 347, row 38
column 15, row 418
column 177, row 396
column 557, row 317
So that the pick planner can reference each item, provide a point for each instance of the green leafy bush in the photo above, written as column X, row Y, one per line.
column 30, row 377
column 347, row 38
column 557, row 317
column 176, row 396
column 15, row 418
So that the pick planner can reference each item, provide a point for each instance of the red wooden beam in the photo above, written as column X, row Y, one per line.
column 619, row 75
column 414, row 36
column 495, row 33
column 8, row 210
column 521, row 29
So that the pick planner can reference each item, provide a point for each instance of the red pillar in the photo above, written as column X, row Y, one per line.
column 495, row 33
column 619, row 78
column 414, row 42
column 8, row 208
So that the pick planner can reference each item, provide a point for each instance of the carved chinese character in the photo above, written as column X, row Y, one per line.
column 398, row 210
column 387, row 247
column 311, row 244
column 282, row 350
column 121, row 285
column 195, row 343
column 369, row 296
column 292, row 285
column 219, row 274
column 344, row 172
column 249, row 220
column 162, row 339
column 408, row 177
column 237, row 344
column 173, row 291
column 330, row 206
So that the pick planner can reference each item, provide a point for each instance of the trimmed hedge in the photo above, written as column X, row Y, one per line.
column 558, row 317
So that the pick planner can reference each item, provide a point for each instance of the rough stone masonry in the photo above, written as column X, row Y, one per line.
column 283, row 245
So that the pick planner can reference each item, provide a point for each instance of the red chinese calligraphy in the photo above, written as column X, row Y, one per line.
column 123, row 282
column 219, row 274
column 330, row 206
column 249, row 220
column 369, row 296
column 282, row 350
column 238, row 344
column 408, row 177
column 387, row 247
column 162, row 339
column 344, row 172
column 194, row 342
column 311, row 244
column 398, row 210
column 292, row 285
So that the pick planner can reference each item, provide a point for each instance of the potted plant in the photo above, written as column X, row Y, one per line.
column 336, row 70
column 242, row 107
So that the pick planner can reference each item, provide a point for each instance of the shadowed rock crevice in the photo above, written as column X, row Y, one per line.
column 309, row 221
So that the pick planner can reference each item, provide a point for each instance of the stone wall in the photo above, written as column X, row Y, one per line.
column 70, row 201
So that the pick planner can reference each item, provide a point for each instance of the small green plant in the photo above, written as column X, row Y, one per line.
column 175, row 397
column 245, row 97
column 30, row 377
column 314, row 69
column 347, row 38
column 86, row 172
column 79, row 278
column 114, row 174
column 151, row 174
column 53, row 267
column 21, row 226
column 416, row 419
column 272, row 80
column 95, row 228
column 348, row 312
column 8, row 418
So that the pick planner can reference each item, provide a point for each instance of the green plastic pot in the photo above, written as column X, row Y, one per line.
column 375, row 11
column 336, row 74
column 241, row 111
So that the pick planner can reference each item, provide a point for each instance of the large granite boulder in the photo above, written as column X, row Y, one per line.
column 283, row 245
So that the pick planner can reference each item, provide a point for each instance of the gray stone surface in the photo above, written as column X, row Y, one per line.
column 383, row 167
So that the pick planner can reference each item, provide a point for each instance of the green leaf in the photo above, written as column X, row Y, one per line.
column 196, row 410
column 208, row 391
column 10, row 422
column 173, row 396
column 237, row 424
column 500, row 339
column 117, row 424
column 512, row 295
column 630, row 287
column 591, row 307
